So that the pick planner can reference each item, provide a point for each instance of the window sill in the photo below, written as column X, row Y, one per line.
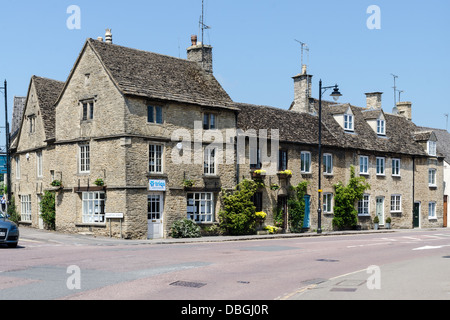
column 91, row 224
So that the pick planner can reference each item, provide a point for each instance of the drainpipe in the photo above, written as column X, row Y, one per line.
column 413, row 189
column 235, row 148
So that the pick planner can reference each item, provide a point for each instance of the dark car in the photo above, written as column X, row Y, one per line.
column 9, row 232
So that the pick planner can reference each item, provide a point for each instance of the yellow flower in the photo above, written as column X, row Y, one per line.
column 259, row 171
column 271, row 229
column 261, row 215
column 288, row 172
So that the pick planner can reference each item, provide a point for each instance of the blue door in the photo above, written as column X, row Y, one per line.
column 307, row 218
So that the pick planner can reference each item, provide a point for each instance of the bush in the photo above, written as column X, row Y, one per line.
column 48, row 211
column 14, row 216
column 296, row 205
column 185, row 229
column 238, row 215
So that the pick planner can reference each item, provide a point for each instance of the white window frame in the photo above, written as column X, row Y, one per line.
column 84, row 156
column 327, row 203
column 432, row 210
column 381, row 166
column 327, row 164
column 210, row 161
column 348, row 122
column 155, row 158
column 305, row 159
column 364, row 167
column 432, row 177
column 396, row 166
column 92, row 205
column 431, row 148
column 396, row 203
column 39, row 164
column 364, row 205
column 200, row 207
column 381, row 127
column 25, row 208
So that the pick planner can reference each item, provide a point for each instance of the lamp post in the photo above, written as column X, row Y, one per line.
column 336, row 95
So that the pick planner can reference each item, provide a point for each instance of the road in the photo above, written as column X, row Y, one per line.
column 412, row 264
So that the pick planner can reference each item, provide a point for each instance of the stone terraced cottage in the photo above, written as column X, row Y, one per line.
column 137, row 140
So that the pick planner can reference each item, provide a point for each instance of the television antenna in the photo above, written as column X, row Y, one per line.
column 446, row 123
column 203, row 27
column 395, row 89
column 305, row 48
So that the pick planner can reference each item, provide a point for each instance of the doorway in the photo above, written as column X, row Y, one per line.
column 41, row 221
column 380, row 210
column 155, row 213
column 416, row 215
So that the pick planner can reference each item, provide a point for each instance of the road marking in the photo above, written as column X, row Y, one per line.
column 430, row 247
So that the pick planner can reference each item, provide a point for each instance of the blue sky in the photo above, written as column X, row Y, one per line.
column 255, row 52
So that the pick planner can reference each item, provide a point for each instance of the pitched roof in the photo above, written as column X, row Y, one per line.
column 303, row 128
column 19, row 106
column 47, row 92
column 156, row 76
column 443, row 141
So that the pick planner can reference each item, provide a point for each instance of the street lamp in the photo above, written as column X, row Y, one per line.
column 336, row 95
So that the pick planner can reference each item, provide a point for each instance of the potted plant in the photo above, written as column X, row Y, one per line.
column 274, row 187
column 285, row 174
column 376, row 222
column 388, row 222
column 99, row 182
column 187, row 183
column 56, row 183
column 258, row 173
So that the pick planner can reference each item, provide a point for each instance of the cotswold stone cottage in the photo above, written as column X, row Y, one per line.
column 398, row 159
column 135, row 140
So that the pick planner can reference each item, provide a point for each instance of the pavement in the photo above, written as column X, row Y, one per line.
column 31, row 234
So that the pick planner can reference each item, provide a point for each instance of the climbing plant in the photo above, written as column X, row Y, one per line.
column 345, row 199
column 296, row 206
column 48, row 209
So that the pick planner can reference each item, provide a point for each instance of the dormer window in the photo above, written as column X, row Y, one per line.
column 348, row 122
column 381, row 126
column 432, row 148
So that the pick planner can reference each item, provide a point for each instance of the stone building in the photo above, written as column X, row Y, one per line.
column 133, row 141
column 397, row 159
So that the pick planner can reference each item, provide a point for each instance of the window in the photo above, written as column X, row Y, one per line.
column 348, row 122
column 282, row 160
column 17, row 159
column 328, row 163
column 396, row 203
column 25, row 206
column 154, row 207
column 85, row 162
column 87, row 79
column 255, row 157
column 432, row 177
column 32, row 124
column 380, row 166
column 154, row 114
column 93, row 207
column 363, row 205
column 363, row 165
column 432, row 210
column 209, row 121
column 381, row 127
column 327, row 203
column 88, row 110
column 200, row 207
column 305, row 162
column 396, row 167
column 432, row 148
column 155, row 158
column 209, row 164
column 39, row 164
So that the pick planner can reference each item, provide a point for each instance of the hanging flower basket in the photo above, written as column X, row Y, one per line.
column 285, row 174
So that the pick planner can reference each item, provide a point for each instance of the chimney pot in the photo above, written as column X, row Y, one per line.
column 108, row 36
column 100, row 39
column 194, row 40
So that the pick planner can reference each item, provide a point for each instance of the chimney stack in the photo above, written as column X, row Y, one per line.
column 374, row 100
column 302, row 92
column 202, row 54
column 405, row 109
column 108, row 36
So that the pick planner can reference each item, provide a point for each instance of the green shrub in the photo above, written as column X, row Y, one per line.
column 296, row 205
column 14, row 216
column 48, row 210
column 238, row 214
column 185, row 229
